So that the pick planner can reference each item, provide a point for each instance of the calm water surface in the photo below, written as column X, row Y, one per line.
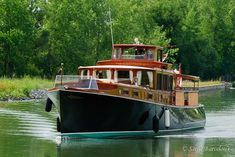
column 27, row 131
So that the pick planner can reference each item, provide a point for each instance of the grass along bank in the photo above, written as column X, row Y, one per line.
column 210, row 83
column 202, row 83
column 21, row 88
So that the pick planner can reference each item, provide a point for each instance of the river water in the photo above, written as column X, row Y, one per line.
column 27, row 131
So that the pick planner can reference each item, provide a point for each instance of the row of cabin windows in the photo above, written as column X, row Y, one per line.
column 143, row 78
column 133, row 53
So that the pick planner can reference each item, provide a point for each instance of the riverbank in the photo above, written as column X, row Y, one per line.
column 213, row 85
column 23, row 89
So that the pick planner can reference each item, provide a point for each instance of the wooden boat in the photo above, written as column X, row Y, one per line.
column 133, row 94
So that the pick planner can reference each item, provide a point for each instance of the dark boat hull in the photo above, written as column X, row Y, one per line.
column 89, row 114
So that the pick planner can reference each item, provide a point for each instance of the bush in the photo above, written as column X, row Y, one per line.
column 233, row 84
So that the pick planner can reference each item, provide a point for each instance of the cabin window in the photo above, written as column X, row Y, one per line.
column 170, row 83
column 164, row 82
column 103, row 74
column 84, row 72
column 140, row 53
column 128, row 53
column 145, row 78
column 159, row 55
column 123, row 76
column 87, row 84
column 117, row 53
column 159, row 81
column 150, row 55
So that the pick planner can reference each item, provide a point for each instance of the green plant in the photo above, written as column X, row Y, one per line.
column 17, row 88
column 233, row 84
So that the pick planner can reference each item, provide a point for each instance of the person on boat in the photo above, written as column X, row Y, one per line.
column 135, row 81
column 139, row 53
column 99, row 75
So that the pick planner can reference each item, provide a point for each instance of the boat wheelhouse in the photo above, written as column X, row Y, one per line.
column 134, row 93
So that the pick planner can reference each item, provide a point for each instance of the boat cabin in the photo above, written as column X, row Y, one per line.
column 137, row 55
column 158, row 85
column 137, row 71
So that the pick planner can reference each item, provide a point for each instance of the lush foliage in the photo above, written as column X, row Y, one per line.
column 36, row 36
column 21, row 88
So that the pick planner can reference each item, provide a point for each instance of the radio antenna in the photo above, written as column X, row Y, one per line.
column 111, row 29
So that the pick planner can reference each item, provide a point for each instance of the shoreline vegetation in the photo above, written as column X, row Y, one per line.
column 28, row 88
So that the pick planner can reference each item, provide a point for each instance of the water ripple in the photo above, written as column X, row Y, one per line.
column 28, row 124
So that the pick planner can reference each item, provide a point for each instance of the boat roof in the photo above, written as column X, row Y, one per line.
column 137, row 46
column 125, row 67
column 115, row 67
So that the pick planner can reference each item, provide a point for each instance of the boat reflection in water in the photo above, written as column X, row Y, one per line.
column 160, row 146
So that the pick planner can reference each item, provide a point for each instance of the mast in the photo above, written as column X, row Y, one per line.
column 111, row 29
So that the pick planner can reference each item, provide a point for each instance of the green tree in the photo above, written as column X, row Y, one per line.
column 76, row 32
column 203, row 31
column 37, row 35
column 16, row 37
